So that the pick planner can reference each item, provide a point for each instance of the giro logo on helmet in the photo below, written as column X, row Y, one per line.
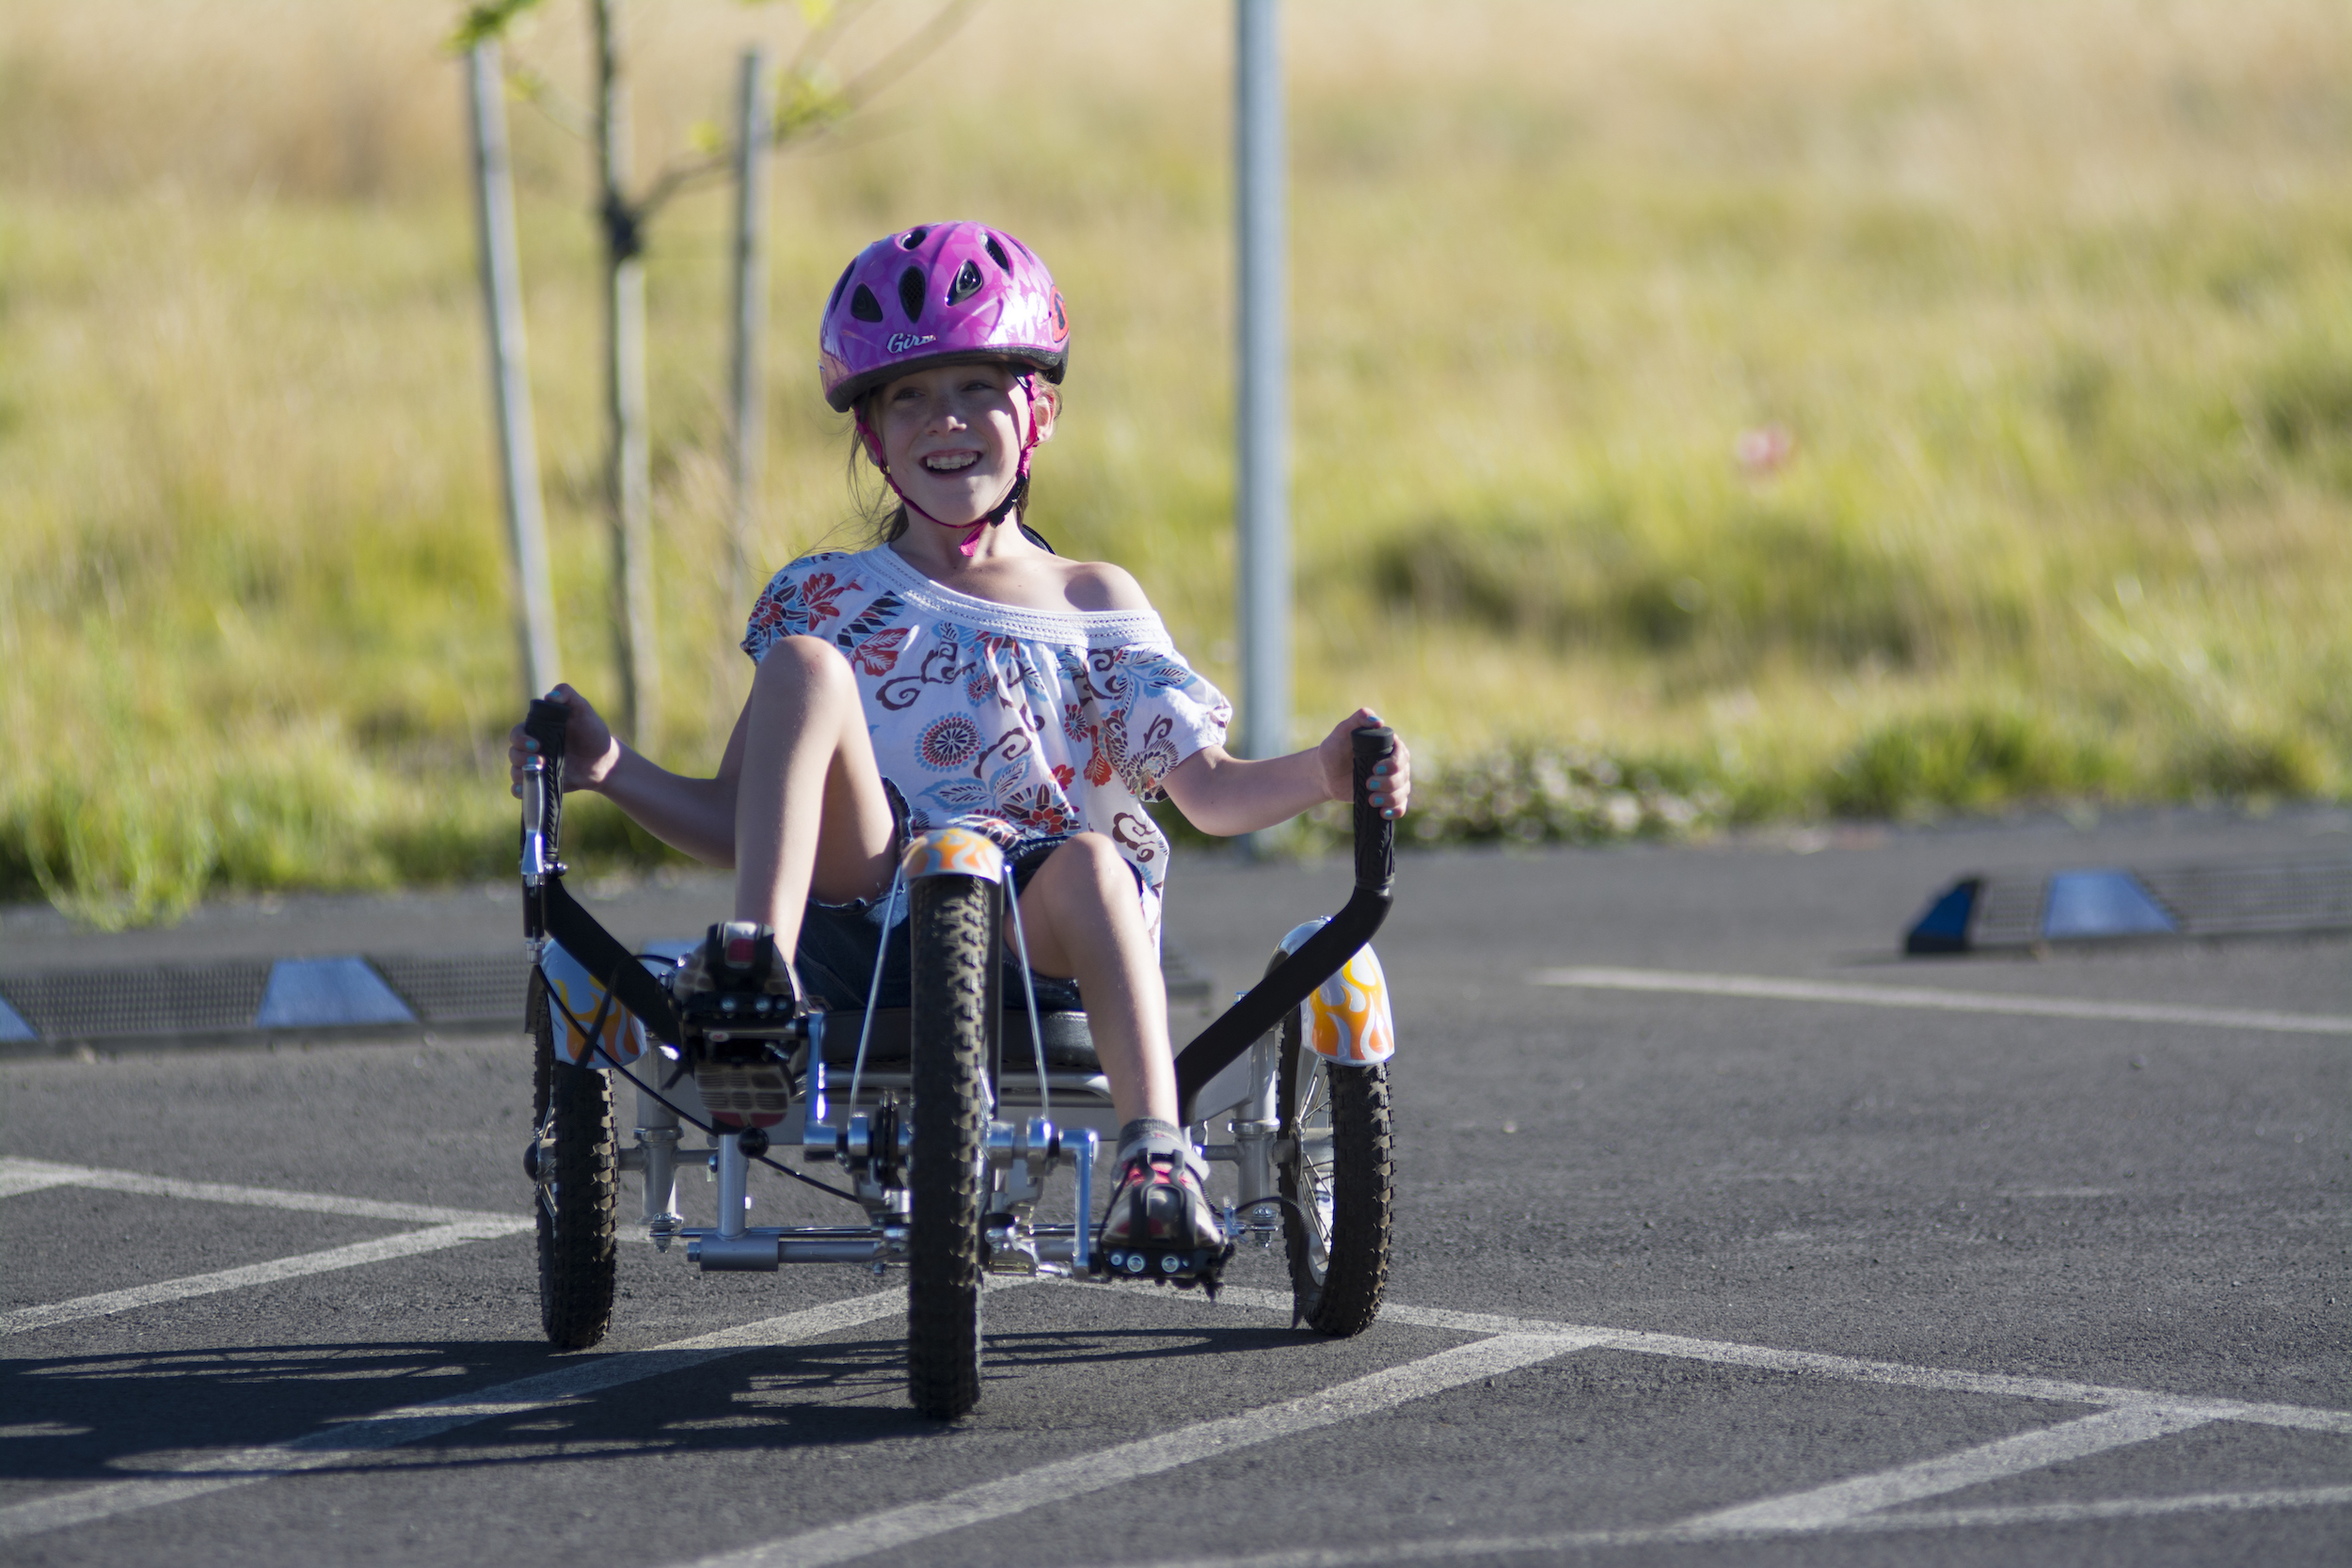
column 901, row 341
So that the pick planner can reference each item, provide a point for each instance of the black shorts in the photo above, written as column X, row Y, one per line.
column 836, row 959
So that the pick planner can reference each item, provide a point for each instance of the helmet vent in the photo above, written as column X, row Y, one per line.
column 997, row 254
column 864, row 306
column 910, row 292
column 835, row 303
column 914, row 237
column 967, row 283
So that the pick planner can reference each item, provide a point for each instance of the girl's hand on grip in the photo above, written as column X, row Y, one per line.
column 1391, row 781
column 589, row 748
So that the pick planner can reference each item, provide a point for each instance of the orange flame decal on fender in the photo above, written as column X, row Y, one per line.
column 1347, row 1016
column 620, row 1036
column 954, row 853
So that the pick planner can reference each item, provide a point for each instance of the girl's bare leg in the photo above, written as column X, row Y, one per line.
column 810, row 814
column 1083, row 920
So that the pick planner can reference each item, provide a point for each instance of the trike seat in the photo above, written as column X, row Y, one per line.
column 1069, row 1043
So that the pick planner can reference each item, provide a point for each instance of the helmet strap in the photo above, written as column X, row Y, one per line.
column 1015, row 493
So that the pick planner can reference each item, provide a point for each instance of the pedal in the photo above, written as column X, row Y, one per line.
column 739, row 1014
column 1201, row 1267
column 744, row 1094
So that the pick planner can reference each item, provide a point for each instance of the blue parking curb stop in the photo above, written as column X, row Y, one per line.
column 1944, row 929
column 2105, row 903
column 307, row 993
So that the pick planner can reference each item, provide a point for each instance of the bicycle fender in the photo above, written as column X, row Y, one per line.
column 1348, row 1020
column 953, row 852
column 620, row 1036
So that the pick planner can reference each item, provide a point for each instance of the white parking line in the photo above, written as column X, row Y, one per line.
column 1833, row 1504
column 1768, row 989
column 416, row 1422
column 1858, row 1504
column 1372, row 1554
column 25, row 1176
column 1086, row 1473
column 18, row 1176
column 408, row 1245
column 1845, row 1369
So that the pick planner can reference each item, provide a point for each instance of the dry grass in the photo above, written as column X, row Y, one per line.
column 2049, row 298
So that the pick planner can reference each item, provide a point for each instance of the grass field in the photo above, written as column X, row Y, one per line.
column 1703, row 412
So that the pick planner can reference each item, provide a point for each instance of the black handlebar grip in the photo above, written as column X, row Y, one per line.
column 547, row 724
column 1375, row 835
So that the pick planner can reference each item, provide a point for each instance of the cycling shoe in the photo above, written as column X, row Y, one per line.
column 1159, row 1224
column 740, row 1009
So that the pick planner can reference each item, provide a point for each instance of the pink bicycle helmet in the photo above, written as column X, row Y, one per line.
column 935, row 293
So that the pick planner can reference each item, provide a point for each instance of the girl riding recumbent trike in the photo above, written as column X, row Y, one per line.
column 946, row 1118
column 935, row 805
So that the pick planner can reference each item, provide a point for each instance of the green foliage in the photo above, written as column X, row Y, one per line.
column 1540, row 794
column 1975, row 760
column 488, row 20
column 1671, row 402
column 1755, row 578
column 2260, row 766
column 2302, row 404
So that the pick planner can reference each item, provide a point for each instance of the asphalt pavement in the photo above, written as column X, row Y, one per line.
column 1718, row 1242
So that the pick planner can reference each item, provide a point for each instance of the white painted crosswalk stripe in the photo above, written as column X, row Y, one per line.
column 390, row 1429
column 1504, row 1343
column 1825, row 1506
column 1769, row 989
column 31, row 1175
column 896, row 1529
column 24, row 1175
column 409, row 1244
column 1378, row 1554
column 1843, row 1368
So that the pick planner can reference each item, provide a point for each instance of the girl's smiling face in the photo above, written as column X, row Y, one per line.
column 952, row 436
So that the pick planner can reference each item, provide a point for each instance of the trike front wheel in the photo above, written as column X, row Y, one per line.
column 1338, row 1176
column 572, row 1123
column 953, row 934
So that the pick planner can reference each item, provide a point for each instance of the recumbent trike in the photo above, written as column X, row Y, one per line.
column 944, row 1119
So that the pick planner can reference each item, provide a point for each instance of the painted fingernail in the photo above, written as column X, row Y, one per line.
column 531, row 745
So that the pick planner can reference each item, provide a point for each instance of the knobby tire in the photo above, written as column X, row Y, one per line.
column 577, row 1252
column 1343, row 1296
column 954, row 942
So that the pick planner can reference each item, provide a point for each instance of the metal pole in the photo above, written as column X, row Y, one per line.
column 753, row 128
column 510, row 383
column 628, row 474
column 1263, row 404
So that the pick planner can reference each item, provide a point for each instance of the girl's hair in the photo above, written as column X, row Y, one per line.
column 873, row 506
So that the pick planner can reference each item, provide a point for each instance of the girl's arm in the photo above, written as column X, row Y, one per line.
column 1225, row 795
column 696, row 815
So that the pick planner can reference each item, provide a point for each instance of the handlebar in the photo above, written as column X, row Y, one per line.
column 542, row 791
column 1320, row 955
column 549, row 909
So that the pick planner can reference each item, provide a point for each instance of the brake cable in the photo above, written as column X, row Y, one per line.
column 597, row 1020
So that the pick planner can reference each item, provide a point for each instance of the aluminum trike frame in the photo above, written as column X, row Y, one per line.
column 943, row 1120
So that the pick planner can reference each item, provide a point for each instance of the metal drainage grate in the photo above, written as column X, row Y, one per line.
column 2219, row 900
column 2009, row 912
column 474, row 987
column 111, row 1004
column 2020, row 908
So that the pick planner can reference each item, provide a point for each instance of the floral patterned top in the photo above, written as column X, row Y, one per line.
column 1023, row 724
